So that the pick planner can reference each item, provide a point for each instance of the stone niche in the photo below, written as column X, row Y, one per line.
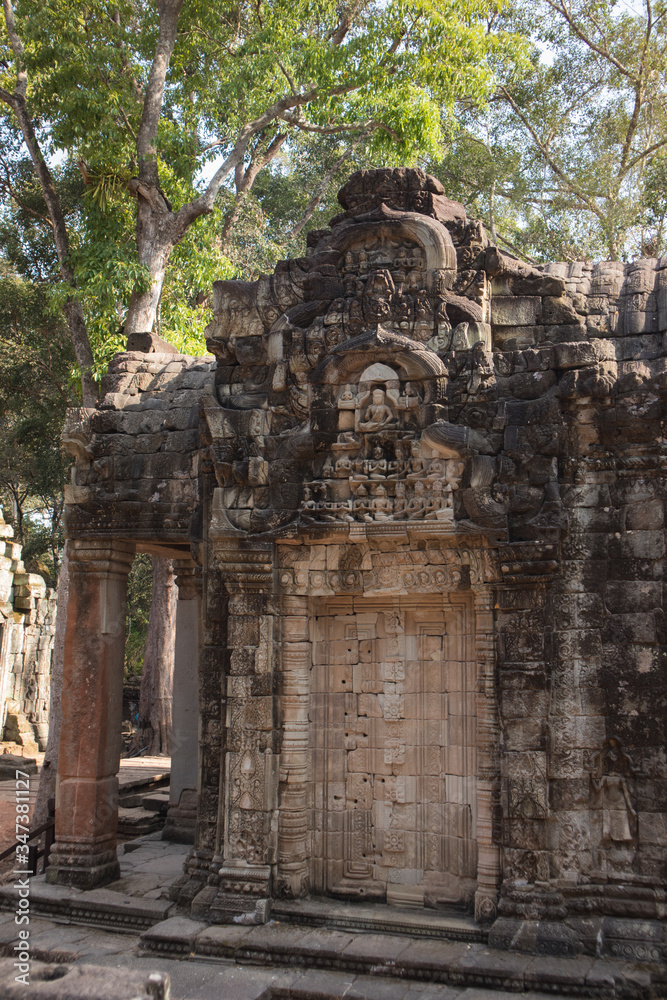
column 420, row 497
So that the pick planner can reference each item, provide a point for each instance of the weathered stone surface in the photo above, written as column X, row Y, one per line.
column 27, row 627
column 83, row 982
column 425, row 484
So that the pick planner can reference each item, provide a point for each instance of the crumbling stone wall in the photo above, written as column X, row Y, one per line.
column 27, row 627
column 403, row 423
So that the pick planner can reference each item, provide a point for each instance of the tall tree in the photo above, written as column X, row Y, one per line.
column 17, row 99
column 154, row 726
column 144, row 104
column 568, row 159
column 35, row 364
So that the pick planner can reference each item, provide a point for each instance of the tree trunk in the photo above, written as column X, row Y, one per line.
column 154, row 246
column 47, row 780
column 153, row 734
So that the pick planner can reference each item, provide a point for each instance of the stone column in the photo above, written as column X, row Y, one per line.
column 182, row 815
column 488, row 852
column 84, row 854
column 247, row 839
column 293, row 875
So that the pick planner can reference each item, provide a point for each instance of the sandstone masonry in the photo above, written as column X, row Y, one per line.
column 27, row 626
column 420, row 496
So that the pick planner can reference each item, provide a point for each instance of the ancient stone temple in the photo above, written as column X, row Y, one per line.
column 418, row 498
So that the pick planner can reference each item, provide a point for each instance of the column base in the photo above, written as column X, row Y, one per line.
column 486, row 906
column 182, row 819
column 80, row 869
column 243, row 896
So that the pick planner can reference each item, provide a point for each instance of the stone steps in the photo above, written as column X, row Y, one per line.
column 379, row 918
column 143, row 811
column 453, row 963
column 104, row 908
column 137, row 821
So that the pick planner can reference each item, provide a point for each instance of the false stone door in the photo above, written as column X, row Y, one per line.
column 393, row 738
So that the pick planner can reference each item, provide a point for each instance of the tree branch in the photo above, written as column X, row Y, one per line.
column 322, row 187
column 557, row 169
column 345, row 23
column 150, row 117
column 17, row 48
column 247, row 180
column 646, row 153
column 602, row 51
column 7, row 184
column 202, row 205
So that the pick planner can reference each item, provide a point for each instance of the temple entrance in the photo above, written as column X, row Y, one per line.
column 393, row 731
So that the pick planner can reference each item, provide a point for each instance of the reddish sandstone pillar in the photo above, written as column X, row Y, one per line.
column 84, row 854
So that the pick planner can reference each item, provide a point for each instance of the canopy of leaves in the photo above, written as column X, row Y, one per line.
column 36, row 360
column 391, row 71
column 568, row 160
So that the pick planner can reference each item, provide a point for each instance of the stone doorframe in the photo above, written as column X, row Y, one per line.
column 84, row 852
column 270, row 587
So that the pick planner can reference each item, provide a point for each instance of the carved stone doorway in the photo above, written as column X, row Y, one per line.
column 394, row 749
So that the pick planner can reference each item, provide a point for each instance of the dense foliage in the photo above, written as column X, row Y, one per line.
column 36, row 360
column 568, row 161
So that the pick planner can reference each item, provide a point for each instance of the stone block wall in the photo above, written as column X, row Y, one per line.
column 27, row 627
column 407, row 417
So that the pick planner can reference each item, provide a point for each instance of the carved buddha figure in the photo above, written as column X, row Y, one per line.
column 381, row 507
column 377, row 465
column 399, row 502
column 417, row 505
column 344, row 467
column 361, row 504
column 417, row 463
column 441, row 501
column 378, row 415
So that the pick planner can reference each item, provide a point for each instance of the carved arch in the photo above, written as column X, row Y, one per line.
column 414, row 360
column 431, row 235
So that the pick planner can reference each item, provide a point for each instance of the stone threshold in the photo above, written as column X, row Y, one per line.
column 378, row 918
column 451, row 963
column 104, row 908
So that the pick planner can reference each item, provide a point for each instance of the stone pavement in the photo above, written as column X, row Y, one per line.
column 132, row 925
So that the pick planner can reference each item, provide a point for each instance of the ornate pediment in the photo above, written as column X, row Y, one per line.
column 331, row 370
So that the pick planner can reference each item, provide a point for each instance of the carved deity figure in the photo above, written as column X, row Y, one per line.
column 619, row 816
column 417, row 463
column 441, row 502
column 378, row 415
column 402, row 311
column 400, row 501
column 416, row 506
column 381, row 507
column 380, row 290
column 460, row 340
column 424, row 318
column 361, row 505
column 481, row 368
column 346, row 398
column 377, row 465
column 617, row 809
column 344, row 467
column 410, row 398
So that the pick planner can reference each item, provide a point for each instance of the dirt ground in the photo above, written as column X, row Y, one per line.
column 131, row 770
column 8, row 817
